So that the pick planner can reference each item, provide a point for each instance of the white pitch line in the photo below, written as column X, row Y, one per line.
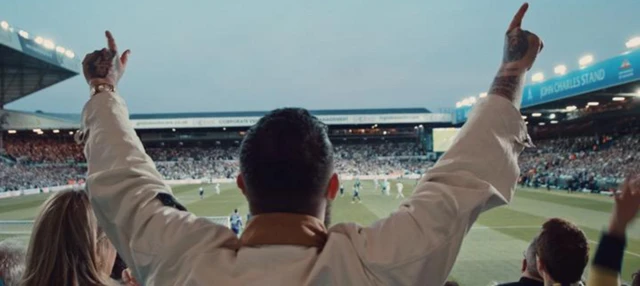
column 505, row 227
column 627, row 252
column 537, row 226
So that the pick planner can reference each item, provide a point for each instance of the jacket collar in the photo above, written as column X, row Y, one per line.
column 284, row 229
column 530, row 281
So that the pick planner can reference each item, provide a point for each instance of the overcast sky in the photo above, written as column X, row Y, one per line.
column 236, row 55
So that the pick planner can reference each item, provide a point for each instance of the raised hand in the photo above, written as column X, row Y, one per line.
column 105, row 66
column 626, row 207
column 521, row 48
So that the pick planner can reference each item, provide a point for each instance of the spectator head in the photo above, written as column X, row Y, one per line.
column 286, row 164
column 67, row 247
column 12, row 255
column 636, row 278
column 529, row 265
column 562, row 252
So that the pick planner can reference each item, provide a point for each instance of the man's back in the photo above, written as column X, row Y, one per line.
column 415, row 245
column 295, row 265
column 338, row 263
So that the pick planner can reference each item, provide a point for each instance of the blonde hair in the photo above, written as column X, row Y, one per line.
column 67, row 247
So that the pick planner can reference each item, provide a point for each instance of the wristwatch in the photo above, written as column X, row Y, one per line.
column 98, row 88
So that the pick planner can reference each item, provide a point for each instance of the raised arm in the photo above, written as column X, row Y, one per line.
column 418, row 244
column 132, row 203
column 607, row 263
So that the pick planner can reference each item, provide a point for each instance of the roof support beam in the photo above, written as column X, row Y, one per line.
column 42, row 73
column 2, row 89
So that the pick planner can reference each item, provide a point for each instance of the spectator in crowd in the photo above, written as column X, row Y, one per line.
column 287, row 176
column 67, row 247
column 12, row 259
column 607, row 262
column 562, row 252
column 530, row 275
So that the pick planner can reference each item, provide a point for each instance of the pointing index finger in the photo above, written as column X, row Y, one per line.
column 111, row 42
column 517, row 19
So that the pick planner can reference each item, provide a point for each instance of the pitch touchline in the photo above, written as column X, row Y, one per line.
column 537, row 226
column 505, row 226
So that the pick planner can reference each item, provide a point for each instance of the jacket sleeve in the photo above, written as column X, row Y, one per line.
column 418, row 244
column 127, row 195
column 607, row 262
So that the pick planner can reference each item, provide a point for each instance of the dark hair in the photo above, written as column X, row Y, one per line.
column 451, row 283
column 286, row 161
column 635, row 277
column 563, row 249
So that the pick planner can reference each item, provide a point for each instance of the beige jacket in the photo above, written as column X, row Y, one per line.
column 416, row 245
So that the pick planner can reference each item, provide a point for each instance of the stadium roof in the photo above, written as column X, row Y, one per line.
column 261, row 113
column 594, row 84
column 19, row 120
column 30, row 63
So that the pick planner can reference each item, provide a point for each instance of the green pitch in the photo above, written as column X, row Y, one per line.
column 492, row 250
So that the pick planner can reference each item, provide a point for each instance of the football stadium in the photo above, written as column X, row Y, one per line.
column 584, row 123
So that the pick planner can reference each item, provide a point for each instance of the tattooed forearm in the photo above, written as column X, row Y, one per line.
column 508, row 81
column 507, row 87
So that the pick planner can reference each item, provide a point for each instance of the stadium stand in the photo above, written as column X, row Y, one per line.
column 584, row 123
column 44, row 162
column 29, row 63
column 595, row 163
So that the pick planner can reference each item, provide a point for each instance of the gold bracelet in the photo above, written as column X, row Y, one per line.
column 98, row 88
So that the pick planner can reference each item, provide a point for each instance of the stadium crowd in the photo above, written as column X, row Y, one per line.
column 43, row 150
column 592, row 163
column 46, row 162
column 21, row 177
column 588, row 162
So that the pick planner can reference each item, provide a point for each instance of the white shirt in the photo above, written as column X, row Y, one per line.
column 416, row 245
column 400, row 186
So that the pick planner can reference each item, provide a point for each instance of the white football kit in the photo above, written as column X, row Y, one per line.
column 400, row 186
